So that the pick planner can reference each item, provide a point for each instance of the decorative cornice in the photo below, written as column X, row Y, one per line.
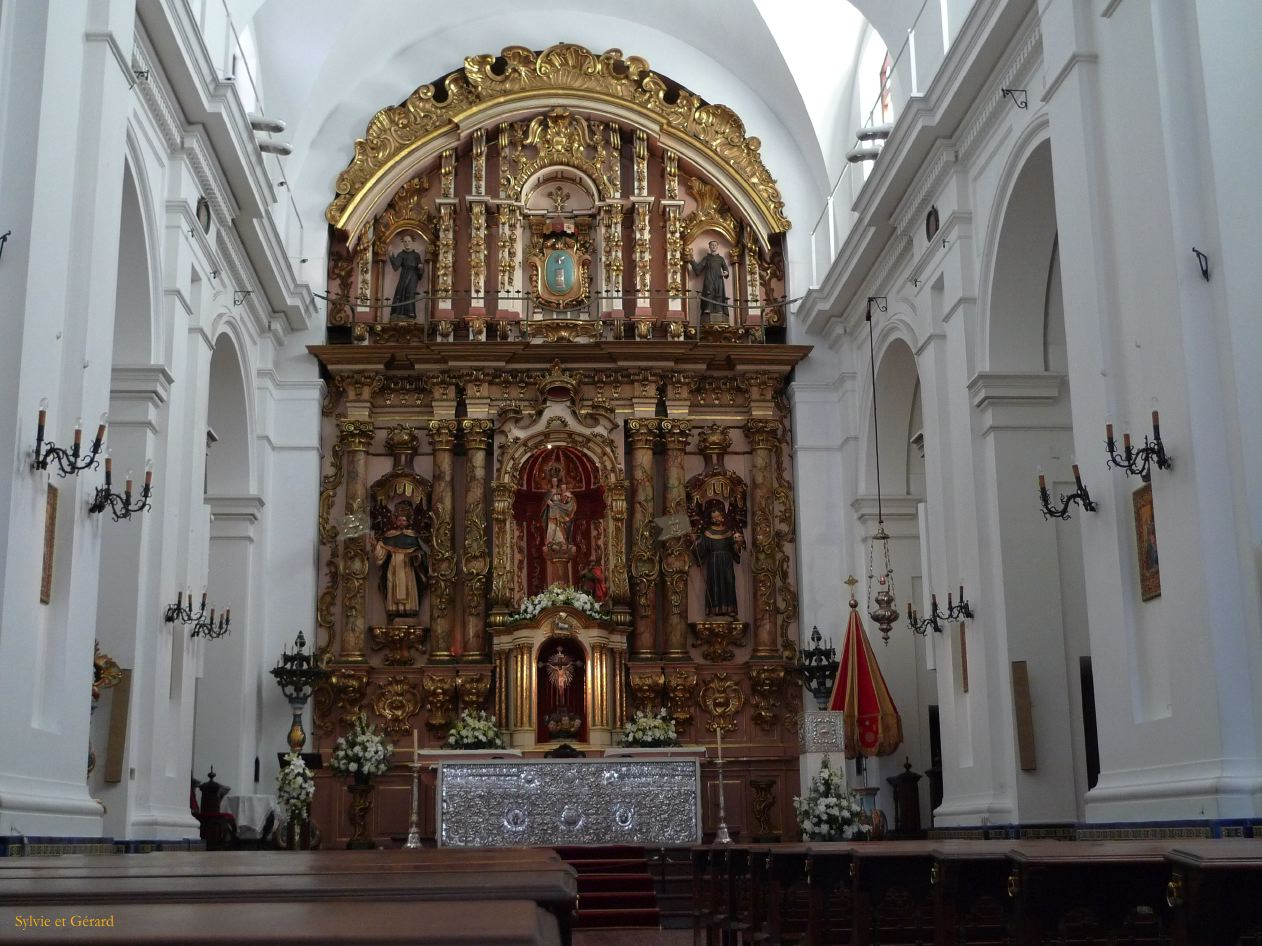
column 979, row 124
column 929, row 181
column 1018, row 387
column 439, row 109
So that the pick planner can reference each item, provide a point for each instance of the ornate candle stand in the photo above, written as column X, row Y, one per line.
column 211, row 630
column 817, row 668
column 297, row 674
column 414, row 831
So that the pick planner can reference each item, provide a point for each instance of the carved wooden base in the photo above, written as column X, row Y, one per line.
column 360, row 809
column 717, row 638
column 399, row 640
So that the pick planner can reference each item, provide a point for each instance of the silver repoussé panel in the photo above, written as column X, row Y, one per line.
column 569, row 801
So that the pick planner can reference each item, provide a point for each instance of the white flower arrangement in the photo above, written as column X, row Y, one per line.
column 362, row 753
column 650, row 732
column 829, row 812
column 556, row 596
column 475, row 730
column 294, row 789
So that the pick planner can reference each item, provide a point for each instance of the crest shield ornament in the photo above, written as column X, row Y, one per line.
column 559, row 272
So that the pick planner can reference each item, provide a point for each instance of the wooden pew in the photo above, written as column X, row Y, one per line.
column 788, row 899
column 970, row 892
column 539, row 876
column 1088, row 891
column 288, row 923
column 1215, row 891
column 892, row 894
column 830, row 902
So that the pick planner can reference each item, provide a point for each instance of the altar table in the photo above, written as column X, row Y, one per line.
column 549, row 802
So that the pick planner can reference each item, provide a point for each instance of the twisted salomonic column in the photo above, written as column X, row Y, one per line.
column 442, row 559
column 356, row 437
column 475, row 559
column 675, row 562
column 762, row 441
column 641, row 433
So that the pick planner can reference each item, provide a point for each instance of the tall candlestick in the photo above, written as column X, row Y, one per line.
column 719, row 732
column 416, row 747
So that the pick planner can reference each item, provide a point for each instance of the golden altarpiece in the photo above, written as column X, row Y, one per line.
column 556, row 478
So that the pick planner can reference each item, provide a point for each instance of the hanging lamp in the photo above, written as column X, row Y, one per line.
column 881, row 604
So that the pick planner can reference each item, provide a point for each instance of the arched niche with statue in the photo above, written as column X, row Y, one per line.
column 559, row 678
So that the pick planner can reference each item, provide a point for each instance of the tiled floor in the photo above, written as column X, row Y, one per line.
column 632, row 937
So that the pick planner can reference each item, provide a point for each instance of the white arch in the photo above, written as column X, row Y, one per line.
column 230, row 465
column 1035, row 135
column 136, row 172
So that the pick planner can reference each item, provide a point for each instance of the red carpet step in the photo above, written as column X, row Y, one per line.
column 615, row 889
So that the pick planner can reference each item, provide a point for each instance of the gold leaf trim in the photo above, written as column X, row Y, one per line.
column 432, row 109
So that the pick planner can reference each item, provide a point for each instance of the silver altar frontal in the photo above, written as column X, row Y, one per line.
column 541, row 802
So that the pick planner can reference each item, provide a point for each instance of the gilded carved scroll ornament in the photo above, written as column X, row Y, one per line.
column 432, row 110
column 723, row 699
column 397, row 701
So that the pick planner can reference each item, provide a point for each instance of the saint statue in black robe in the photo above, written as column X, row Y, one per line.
column 718, row 551
column 410, row 267
column 712, row 269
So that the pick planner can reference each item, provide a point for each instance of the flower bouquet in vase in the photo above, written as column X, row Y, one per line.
column 475, row 730
column 829, row 812
column 649, row 732
column 294, row 790
column 361, row 753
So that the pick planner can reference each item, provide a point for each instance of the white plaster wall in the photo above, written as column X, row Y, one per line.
column 64, row 140
column 1147, row 145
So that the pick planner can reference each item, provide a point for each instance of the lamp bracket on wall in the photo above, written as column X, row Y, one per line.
column 1203, row 261
column 881, row 303
column 4, row 238
column 240, row 295
column 1019, row 97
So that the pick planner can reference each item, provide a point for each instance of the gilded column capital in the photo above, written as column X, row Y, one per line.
column 477, row 432
column 676, row 432
column 442, row 434
column 763, row 434
column 355, row 434
column 642, row 431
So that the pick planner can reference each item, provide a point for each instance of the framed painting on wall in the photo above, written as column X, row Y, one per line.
column 50, row 535
column 1146, row 544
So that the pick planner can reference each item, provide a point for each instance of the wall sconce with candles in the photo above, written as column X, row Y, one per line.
column 1079, row 496
column 1134, row 461
column 203, row 626
column 209, row 629
column 121, row 507
column 68, row 461
column 184, row 612
column 935, row 619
